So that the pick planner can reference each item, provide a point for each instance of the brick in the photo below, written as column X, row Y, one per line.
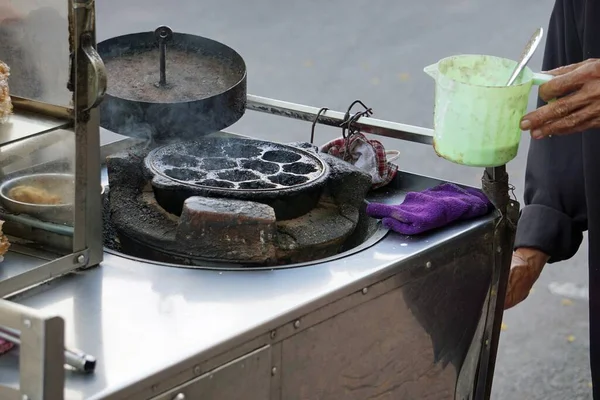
column 227, row 229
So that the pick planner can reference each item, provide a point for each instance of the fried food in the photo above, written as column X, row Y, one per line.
column 33, row 195
column 4, row 243
column 6, row 106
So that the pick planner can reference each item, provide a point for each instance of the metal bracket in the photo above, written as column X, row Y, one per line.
column 44, row 273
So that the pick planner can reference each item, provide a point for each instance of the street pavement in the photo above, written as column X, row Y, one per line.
column 330, row 53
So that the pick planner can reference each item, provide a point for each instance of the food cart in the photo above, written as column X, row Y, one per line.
column 344, row 310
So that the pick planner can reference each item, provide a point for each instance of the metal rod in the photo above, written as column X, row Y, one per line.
column 335, row 118
column 163, row 64
column 73, row 358
column 495, row 183
column 163, row 34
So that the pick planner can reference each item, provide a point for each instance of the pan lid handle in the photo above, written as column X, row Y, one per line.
column 163, row 34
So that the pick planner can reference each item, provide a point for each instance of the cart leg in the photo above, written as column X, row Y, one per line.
column 496, row 187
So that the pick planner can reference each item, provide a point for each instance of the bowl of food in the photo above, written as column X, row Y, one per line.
column 47, row 197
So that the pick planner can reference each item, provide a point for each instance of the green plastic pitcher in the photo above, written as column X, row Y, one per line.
column 476, row 116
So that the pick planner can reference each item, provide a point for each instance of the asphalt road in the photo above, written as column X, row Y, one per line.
column 329, row 53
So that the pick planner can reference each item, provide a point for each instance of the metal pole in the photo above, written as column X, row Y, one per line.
column 496, row 186
column 89, row 88
column 374, row 126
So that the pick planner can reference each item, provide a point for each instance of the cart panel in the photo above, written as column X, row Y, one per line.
column 409, row 343
column 246, row 378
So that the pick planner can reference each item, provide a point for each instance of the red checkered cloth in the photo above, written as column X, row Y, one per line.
column 5, row 346
column 352, row 150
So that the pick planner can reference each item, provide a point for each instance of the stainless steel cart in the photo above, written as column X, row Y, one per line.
column 397, row 318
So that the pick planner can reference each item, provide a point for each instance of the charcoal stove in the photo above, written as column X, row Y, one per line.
column 233, row 202
column 201, row 229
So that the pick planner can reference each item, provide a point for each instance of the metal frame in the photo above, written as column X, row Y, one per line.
column 42, row 359
column 42, row 356
column 88, row 84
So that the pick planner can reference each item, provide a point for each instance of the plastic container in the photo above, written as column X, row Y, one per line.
column 476, row 116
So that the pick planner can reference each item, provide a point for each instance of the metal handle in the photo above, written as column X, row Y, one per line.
column 163, row 35
column 97, row 77
column 526, row 55
column 76, row 359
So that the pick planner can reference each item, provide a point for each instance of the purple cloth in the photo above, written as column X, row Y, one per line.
column 433, row 208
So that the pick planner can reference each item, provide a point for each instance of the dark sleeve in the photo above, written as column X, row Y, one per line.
column 555, row 217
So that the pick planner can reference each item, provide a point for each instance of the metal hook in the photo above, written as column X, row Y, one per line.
column 348, row 124
column 348, row 120
column 351, row 130
column 312, row 131
column 353, row 104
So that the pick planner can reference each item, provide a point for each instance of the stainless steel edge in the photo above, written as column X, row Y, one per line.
column 23, row 124
column 335, row 118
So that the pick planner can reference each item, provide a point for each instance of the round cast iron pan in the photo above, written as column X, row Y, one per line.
column 186, row 120
column 286, row 178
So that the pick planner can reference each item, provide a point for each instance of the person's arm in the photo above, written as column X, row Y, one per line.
column 554, row 217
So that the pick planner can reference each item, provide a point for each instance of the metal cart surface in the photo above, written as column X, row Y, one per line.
column 401, row 318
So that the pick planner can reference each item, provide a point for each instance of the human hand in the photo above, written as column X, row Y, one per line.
column 577, row 111
column 525, row 269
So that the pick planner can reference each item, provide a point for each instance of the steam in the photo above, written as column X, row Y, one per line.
column 134, row 107
column 37, row 50
column 158, row 124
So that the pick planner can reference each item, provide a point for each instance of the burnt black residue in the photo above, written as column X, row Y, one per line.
column 180, row 160
column 184, row 174
column 217, row 163
column 263, row 167
column 280, row 156
column 216, row 183
column 203, row 149
column 288, row 179
column 237, row 150
column 256, row 185
column 238, row 175
column 299, row 168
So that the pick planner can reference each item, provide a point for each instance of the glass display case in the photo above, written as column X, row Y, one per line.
column 50, row 190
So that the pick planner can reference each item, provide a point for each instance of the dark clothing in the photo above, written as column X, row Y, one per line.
column 563, row 172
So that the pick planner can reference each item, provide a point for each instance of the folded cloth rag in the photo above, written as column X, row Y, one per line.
column 5, row 346
column 433, row 208
column 368, row 155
